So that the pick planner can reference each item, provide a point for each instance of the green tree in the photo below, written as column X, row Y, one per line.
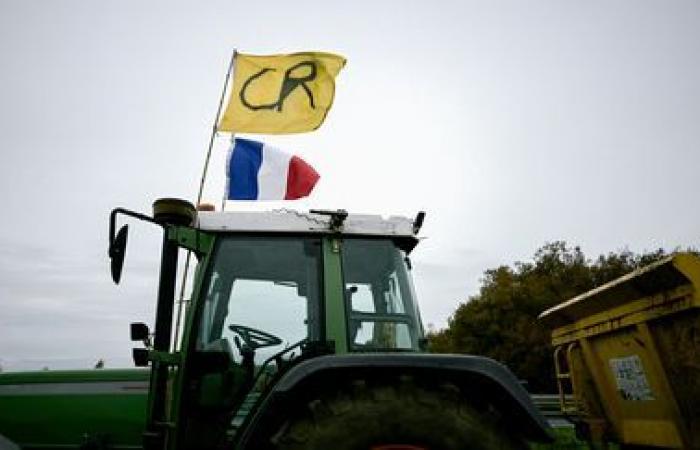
column 501, row 320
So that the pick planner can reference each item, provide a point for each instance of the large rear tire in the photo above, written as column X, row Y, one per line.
column 393, row 418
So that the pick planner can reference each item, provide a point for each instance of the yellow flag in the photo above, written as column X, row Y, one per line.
column 279, row 94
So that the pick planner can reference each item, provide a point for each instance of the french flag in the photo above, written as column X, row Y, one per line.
column 257, row 171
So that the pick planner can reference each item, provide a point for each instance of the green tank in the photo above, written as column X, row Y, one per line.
column 69, row 409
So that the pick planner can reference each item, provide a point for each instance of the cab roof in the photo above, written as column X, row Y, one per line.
column 289, row 221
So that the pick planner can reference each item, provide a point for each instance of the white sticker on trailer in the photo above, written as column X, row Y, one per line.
column 630, row 378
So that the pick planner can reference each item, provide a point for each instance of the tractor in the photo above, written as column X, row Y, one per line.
column 302, row 331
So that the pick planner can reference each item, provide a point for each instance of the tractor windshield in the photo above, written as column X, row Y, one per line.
column 263, row 295
column 382, row 313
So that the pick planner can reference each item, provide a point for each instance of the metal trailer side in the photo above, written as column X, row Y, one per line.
column 629, row 353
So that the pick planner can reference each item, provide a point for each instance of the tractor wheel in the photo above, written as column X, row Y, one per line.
column 403, row 417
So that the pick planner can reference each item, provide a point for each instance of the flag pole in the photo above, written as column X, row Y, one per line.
column 228, row 161
column 181, row 300
column 216, row 123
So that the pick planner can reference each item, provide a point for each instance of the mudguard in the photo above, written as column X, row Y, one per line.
column 480, row 378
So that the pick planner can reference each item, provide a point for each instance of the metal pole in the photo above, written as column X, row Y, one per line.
column 228, row 161
column 213, row 130
column 181, row 301
column 161, row 343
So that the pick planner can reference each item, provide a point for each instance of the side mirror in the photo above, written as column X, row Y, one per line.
column 117, row 250
column 139, row 331
column 140, row 356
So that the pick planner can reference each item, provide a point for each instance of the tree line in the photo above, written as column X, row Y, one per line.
column 500, row 321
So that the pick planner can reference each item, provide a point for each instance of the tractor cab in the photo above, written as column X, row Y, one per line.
column 277, row 281
column 280, row 287
column 271, row 290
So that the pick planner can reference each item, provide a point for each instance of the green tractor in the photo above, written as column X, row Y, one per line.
column 302, row 332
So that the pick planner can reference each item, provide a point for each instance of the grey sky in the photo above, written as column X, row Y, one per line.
column 510, row 123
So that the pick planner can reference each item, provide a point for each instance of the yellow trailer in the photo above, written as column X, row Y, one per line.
column 627, row 356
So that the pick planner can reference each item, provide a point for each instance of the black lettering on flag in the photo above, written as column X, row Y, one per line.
column 289, row 84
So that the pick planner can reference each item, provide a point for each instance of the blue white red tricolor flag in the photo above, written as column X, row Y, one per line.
column 257, row 171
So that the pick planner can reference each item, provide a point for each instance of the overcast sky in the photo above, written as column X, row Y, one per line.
column 510, row 123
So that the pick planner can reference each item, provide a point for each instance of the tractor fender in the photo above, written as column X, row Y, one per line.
column 481, row 380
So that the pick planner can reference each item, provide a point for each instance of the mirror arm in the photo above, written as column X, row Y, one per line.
column 117, row 240
column 126, row 212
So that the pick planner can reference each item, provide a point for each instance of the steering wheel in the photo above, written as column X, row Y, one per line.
column 253, row 338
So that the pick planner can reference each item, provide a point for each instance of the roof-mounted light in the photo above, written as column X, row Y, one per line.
column 418, row 222
column 174, row 211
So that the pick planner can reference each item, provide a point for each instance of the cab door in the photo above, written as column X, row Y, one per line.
column 255, row 306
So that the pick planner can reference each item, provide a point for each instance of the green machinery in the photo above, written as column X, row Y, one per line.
column 301, row 332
